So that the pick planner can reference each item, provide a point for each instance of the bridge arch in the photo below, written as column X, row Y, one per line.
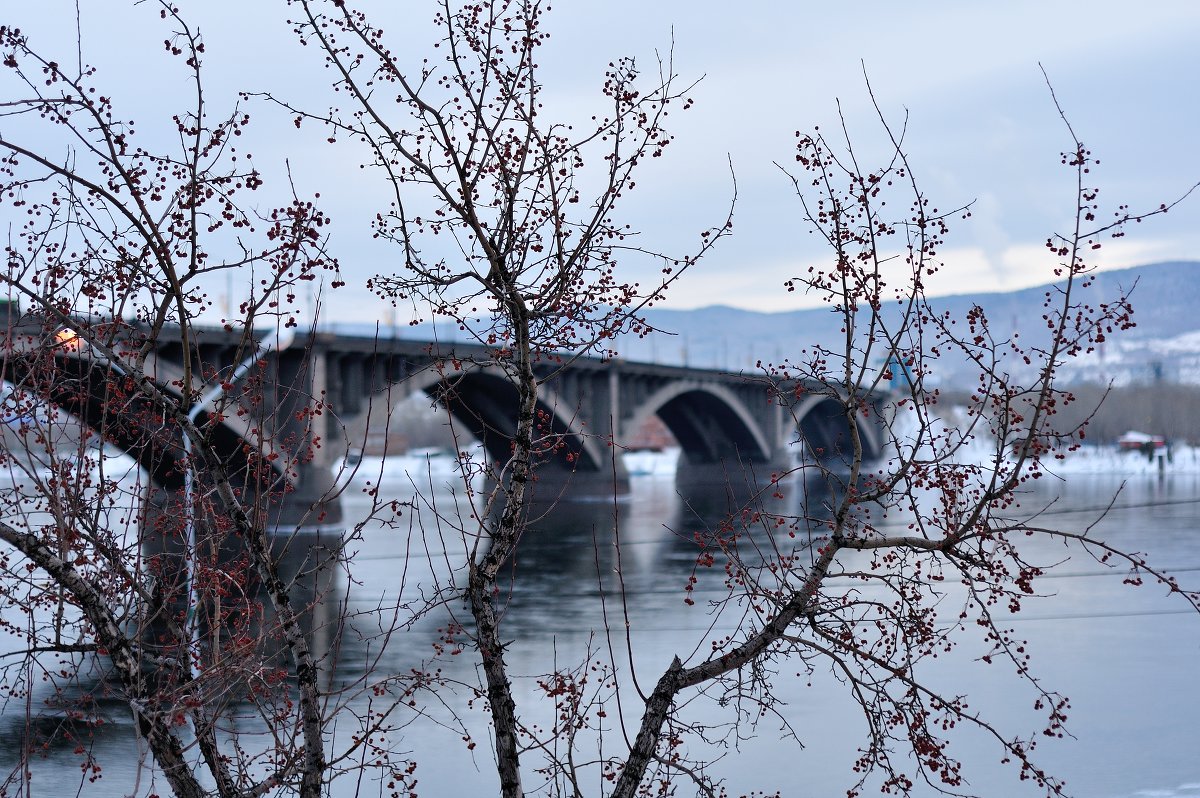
column 485, row 401
column 710, row 422
column 98, row 394
column 822, row 427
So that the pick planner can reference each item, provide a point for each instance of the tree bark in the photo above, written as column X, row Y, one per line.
column 165, row 745
column 482, row 583
column 676, row 677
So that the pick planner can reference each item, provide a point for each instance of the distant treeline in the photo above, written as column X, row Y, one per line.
column 1166, row 409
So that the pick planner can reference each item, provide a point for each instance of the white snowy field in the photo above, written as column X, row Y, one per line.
column 424, row 467
column 1107, row 459
column 1110, row 460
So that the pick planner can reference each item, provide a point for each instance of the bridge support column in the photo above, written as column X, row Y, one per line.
column 195, row 552
column 206, row 586
column 591, row 402
column 737, row 474
column 554, row 482
column 308, row 511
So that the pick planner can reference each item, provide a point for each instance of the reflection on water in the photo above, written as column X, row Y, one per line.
column 75, row 728
column 1125, row 656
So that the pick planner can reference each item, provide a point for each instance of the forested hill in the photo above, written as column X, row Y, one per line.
column 1165, row 344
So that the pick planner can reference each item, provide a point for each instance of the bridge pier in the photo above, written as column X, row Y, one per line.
column 305, row 501
column 738, row 474
column 203, row 581
column 553, row 482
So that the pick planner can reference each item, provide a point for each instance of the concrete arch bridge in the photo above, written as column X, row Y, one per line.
column 306, row 405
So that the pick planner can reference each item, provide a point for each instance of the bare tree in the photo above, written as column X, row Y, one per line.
column 536, row 239
column 936, row 518
column 168, row 570
column 109, row 264
column 469, row 132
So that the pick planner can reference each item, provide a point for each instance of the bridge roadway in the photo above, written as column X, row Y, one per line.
column 311, row 404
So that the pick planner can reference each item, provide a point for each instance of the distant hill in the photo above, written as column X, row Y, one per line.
column 1165, row 344
column 1164, row 299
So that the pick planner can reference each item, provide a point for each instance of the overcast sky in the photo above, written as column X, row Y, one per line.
column 982, row 127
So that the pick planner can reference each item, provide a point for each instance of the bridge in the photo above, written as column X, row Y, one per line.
column 310, row 404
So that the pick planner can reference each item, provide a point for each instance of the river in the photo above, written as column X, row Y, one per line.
column 1127, row 657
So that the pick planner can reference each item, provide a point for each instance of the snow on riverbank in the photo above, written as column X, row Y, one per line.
column 651, row 462
column 423, row 467
column 440, row 468
column 1106, row 459
column 1111, row 460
